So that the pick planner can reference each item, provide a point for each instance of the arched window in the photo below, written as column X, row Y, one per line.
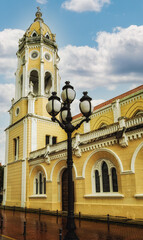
column 34, row 81
column 105, row 177
column 114, row 180
column 48, row 83
column 47, row 35
column 34, row 34
column 40, row 183
column 97, row 181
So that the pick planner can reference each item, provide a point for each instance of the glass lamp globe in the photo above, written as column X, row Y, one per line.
column 64, row 113
column 85, row 105
column 53, row 106
column 68, row 93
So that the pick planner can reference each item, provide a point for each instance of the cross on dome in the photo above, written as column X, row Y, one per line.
column 38, row 15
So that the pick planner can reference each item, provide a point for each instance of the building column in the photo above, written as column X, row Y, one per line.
column 23, row 180
column 25, row 75
column 33, row 134
column 41, row 77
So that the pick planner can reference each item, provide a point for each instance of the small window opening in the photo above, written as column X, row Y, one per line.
column 48, row 83
column 47, row 35
column 47, row 139
column 34, row 35
column 54, row 140
column 16, row 148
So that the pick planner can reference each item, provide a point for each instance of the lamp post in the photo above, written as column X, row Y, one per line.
column 55, row 106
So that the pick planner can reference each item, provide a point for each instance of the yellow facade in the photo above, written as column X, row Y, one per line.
column 107, row 151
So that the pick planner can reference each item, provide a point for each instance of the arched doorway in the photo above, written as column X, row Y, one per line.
column 65, row 190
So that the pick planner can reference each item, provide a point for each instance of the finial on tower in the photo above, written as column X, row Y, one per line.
column 38, row 15
column 39, row 9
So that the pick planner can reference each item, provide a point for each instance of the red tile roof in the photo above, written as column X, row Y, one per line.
column 112, row 100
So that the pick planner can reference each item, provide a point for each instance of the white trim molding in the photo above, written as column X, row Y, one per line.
column 6, row 145
column 102, row 150
column 33, row 134
column 52, row 171
column 38, row 196
column 140, row 195
column 134, row 157
column 43, row 168
column 104, row 195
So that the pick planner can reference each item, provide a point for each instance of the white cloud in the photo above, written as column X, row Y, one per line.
column 6, row 94
column 85, row 5
column 116, row 59
column 41, row 1
column 8, row 48
column 133, row 86
column 97, row 102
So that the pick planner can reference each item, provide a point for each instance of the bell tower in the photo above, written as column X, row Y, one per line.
column 30, row 125
column 37, row 70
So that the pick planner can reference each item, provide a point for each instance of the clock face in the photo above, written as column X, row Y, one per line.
column 34, row 54
column 48, row 56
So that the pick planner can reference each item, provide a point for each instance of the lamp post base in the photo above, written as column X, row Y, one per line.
column 71, row 235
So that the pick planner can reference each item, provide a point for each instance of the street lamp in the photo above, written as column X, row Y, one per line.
column 55, row 106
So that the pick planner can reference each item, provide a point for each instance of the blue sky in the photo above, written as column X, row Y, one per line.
column 100, row 46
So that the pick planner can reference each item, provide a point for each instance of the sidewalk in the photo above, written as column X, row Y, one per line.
column 47, row 228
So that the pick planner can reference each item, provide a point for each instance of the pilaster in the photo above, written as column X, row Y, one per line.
column 25, row 75
column 41, row 79
column 23, row 180
column 116, row 110
column 33, row 134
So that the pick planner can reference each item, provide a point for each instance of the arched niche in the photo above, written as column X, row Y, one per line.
column 100, row 121
column 134, row 109
column 47, row 83
column 34, row 80
column 33, row 173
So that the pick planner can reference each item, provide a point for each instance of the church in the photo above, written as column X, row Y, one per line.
column 107, row 151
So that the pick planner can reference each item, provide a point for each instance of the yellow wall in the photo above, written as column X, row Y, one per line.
column 34, row 63
column 40, row 107
column 132, row 108
column 45, row 128
column 14, row 184
column 22, row 104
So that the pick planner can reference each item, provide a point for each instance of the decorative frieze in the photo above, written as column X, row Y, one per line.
column 118, row 133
